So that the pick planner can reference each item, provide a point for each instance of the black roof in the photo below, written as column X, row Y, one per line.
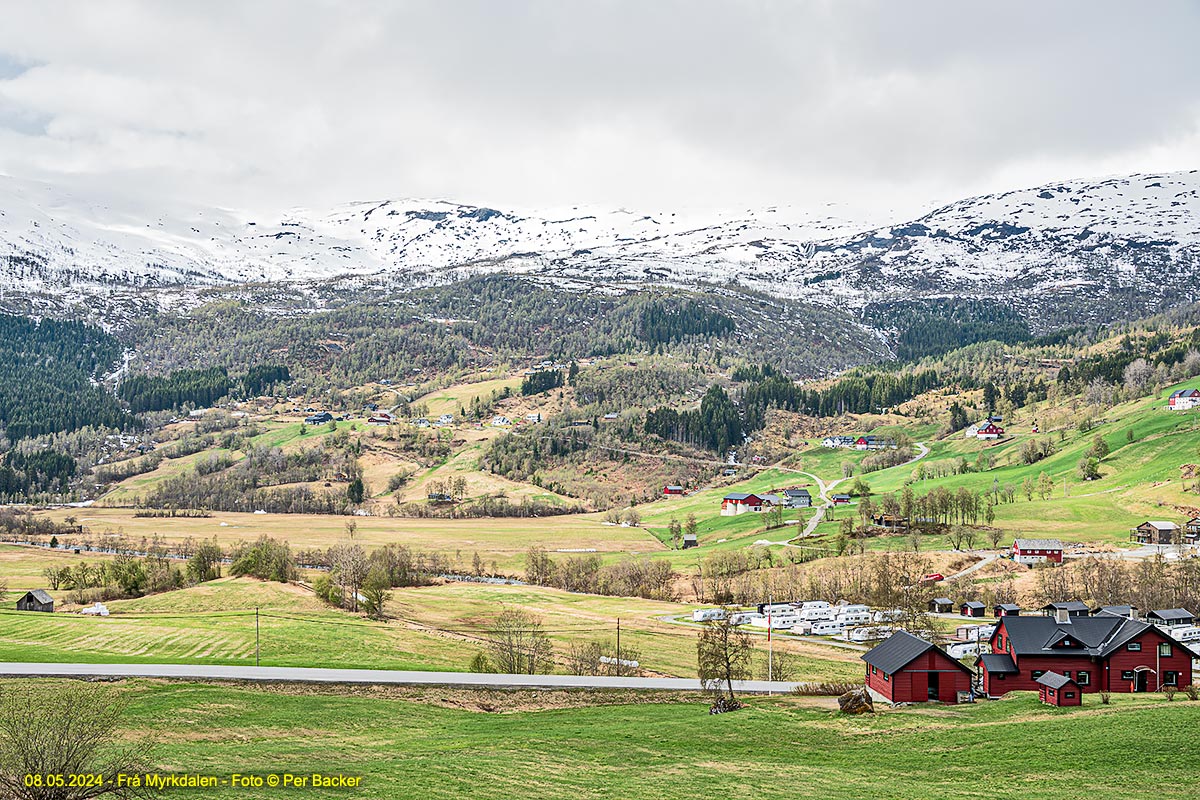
column 1088, row 636
column 40, row 595
column 1171, row 614
column 1067, row 605
column 898, row 650
column 1008, row 606
column 1053, row 680
column 999, row 663
column 943, row 601
column 974, row 604
column 1116, row 611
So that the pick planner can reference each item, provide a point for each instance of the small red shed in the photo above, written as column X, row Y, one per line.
column 1058, row 690
column 906, row 669
column 972, row 608
column 673, row 489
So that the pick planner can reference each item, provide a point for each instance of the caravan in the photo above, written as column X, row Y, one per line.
column 817, row 614
column 827, row 628
column 706, row 614
column 854, row 617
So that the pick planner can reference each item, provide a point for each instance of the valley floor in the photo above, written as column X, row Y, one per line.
column 431, row 744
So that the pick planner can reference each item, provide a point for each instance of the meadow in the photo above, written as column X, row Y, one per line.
column 435, row 743
column 437, row 627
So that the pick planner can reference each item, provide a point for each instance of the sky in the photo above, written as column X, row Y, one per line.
column 873, row 106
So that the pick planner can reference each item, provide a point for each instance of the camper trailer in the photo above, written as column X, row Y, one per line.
column 829, row 627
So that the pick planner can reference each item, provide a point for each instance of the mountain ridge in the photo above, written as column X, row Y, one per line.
column 1116, row 240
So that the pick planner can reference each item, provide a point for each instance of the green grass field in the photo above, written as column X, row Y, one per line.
column 433, row 744
column 435, row 628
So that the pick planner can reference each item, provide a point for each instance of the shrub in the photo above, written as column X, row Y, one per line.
column 1105, row 697
column 1169, row 691
column 1192, row 692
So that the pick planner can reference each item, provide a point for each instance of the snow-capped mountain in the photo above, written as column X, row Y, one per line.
column 1137, row 235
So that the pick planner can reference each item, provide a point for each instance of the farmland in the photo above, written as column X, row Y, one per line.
column 442, row 743
column 436, row 628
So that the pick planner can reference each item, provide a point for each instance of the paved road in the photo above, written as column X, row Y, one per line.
column 466, row 680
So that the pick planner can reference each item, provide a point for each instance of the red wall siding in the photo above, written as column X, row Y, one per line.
column 1104, row 675
column 911, row 683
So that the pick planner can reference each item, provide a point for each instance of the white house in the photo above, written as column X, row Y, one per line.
column 1184, row 399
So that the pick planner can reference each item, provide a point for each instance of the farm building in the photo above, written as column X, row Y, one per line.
column 739, row 503
column 673, row 489
column 905, row 669
column 322, row 418
column 689, row 540
column 797, row 498
column 972, row 608
column 1155, row 531
column 1073, row 608
column 990, row 431
column 1170, row 617
column 1007, row 610
column 1116, row 611
column 1037, row 551
column 1058, row 690
column 840, row 499
column 941, row 605
column 834, row 442
column 1183, row 399
column 37, row 600
column 1102, row 653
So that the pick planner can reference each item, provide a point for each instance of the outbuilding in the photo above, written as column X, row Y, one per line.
column 907, row 669
column 1006, row 610
column 941, row 605
column 1037, row 551
column 1058, row 690
column 972, row 608
column 1170, row 617
column 37, row 600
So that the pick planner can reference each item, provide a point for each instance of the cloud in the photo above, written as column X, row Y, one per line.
column 717, row 104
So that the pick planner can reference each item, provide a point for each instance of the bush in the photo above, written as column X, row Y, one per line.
column 1192, row 692
column 1169, row 691
column 1105, row 697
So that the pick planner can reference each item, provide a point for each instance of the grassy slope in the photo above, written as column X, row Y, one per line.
column 437, row 627
column 1013, row 749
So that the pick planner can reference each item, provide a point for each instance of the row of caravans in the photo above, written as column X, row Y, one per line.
column 815, row 617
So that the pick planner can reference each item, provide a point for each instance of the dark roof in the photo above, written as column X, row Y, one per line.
column 999, row 663
column 1116, row 611
column 1053, row 680
column 1067, row 605
column 974, row 604
column 842, row 495
column 943, row 601
column 1171, row 614
column 899, row 650
column 1008, row 606
column 797, row 492
column 41, row 596
column 1089, row 636
column 738, row 496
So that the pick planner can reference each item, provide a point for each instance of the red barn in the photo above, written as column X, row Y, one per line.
column 672, row 489
column 905, row 669
column 1058, row 690
column 1036, row 551
column 990, row 431
column 1101, row 653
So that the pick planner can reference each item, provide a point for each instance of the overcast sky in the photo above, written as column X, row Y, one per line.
column 643, row 104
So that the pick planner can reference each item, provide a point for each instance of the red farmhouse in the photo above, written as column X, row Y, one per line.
column 1058, row 690
column 1102, row 653
column 1035, row 551
column 905, row 669
column 672, row 489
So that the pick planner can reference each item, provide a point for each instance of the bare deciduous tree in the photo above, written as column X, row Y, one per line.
column 65, row 729
column 518, row 644
column 723, row 655
column 348, row 568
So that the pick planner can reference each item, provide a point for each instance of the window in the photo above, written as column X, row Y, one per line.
column 1037, row 673
column 1170, row 678
column 1083, row 677
column 1164, row 649
column 1069, row 695
column 1134, row 646
column 1050, row 692
column 1067, row 672
column 1000, row 641
column 886, row 677
column 1127, row 675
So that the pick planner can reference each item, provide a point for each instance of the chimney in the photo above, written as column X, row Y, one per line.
column 1062, row 616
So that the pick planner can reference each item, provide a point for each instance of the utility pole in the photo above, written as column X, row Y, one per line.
column 770, row 643
column 618, row 645
column 256, row 636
